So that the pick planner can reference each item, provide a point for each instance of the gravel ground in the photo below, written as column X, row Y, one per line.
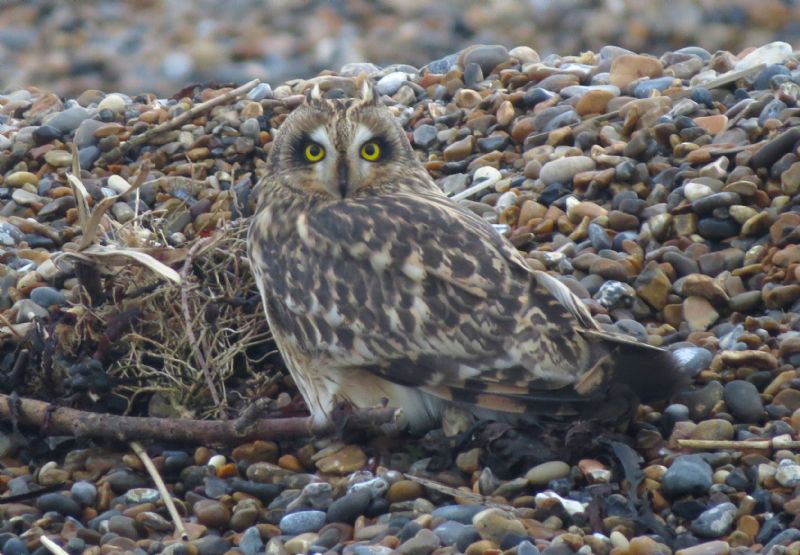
column 160, row 46
column 663, row 191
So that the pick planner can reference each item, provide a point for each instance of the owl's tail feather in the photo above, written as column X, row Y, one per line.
column 651, row 373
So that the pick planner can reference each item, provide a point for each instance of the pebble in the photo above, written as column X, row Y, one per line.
column 494, row 525
column 744, row 401
column 788, row 474
column 545, row 472
column 693, row 359
column 423, row 543
column 302, row 522
column 716, row 521
column 348, row 507
column 564, row 169
column 48, row 296
column 344, row 461
column 458, row 513
column 58, row 503
column 69, row 120
column 771, row 53
column 688, row 474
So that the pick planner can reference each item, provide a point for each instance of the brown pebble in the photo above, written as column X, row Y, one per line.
column 630, row 67
column 713, row 124
column 714, row 428
column 290, row 462
column 211, row 513
column 759, row 359
column 593, row 102
column 404, row 490
column 609, row 269
column 699, row 313
column 620, row 221
column 642, row 545
column 469, row 461
column 789, row 398
column 459, row 149
column 344, row 461
column 704, row 286
column 784, row 225
column 202, row 456
column 256, row 451
column 585, row 209
column 480, row 547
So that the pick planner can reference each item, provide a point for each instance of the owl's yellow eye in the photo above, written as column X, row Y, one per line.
column 370, row 151
column 314, row 152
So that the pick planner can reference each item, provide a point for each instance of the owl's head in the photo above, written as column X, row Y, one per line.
column 340, row 148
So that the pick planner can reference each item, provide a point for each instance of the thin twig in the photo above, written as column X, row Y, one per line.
column 188, row 115
column 187, row 321
column 453, row 492
column 162, row 488
column 52, row 546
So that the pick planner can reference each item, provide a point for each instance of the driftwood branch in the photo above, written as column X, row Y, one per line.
column 54, row 420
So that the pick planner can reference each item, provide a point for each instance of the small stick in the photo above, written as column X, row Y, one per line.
column 454, row 492
column 778, row 442
column 162, row 488
column 52, row 546
column 188, row 115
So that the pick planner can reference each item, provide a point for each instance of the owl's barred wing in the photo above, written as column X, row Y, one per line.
column 427, row 294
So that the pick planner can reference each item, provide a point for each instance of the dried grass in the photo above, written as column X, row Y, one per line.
column 150, row 313
column 230, row 333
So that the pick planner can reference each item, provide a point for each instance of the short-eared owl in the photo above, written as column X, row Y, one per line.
column 378, row 288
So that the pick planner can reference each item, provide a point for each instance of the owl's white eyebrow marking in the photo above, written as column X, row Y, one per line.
column 362, row 135
column 320, row 135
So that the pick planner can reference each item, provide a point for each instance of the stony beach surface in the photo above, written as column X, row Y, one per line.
column 154, row 46
column 662, row 190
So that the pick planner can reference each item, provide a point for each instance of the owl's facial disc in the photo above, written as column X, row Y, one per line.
column 341, row 162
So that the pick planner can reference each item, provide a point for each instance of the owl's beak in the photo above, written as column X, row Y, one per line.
column 344, row 178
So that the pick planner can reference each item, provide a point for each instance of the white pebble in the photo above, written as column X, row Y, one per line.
column 570, row 505
column 118, row 184
column 773, row 53
column 217, row 461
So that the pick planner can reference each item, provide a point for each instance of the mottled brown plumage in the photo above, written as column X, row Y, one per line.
column 378, row 287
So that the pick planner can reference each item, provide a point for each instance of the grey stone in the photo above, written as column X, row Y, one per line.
column 302, row 522
column 743, row 401
column 715, row 522
column 688, row 474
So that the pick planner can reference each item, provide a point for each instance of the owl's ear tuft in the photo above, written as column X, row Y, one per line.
column 314, row 96
column 368, row 94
